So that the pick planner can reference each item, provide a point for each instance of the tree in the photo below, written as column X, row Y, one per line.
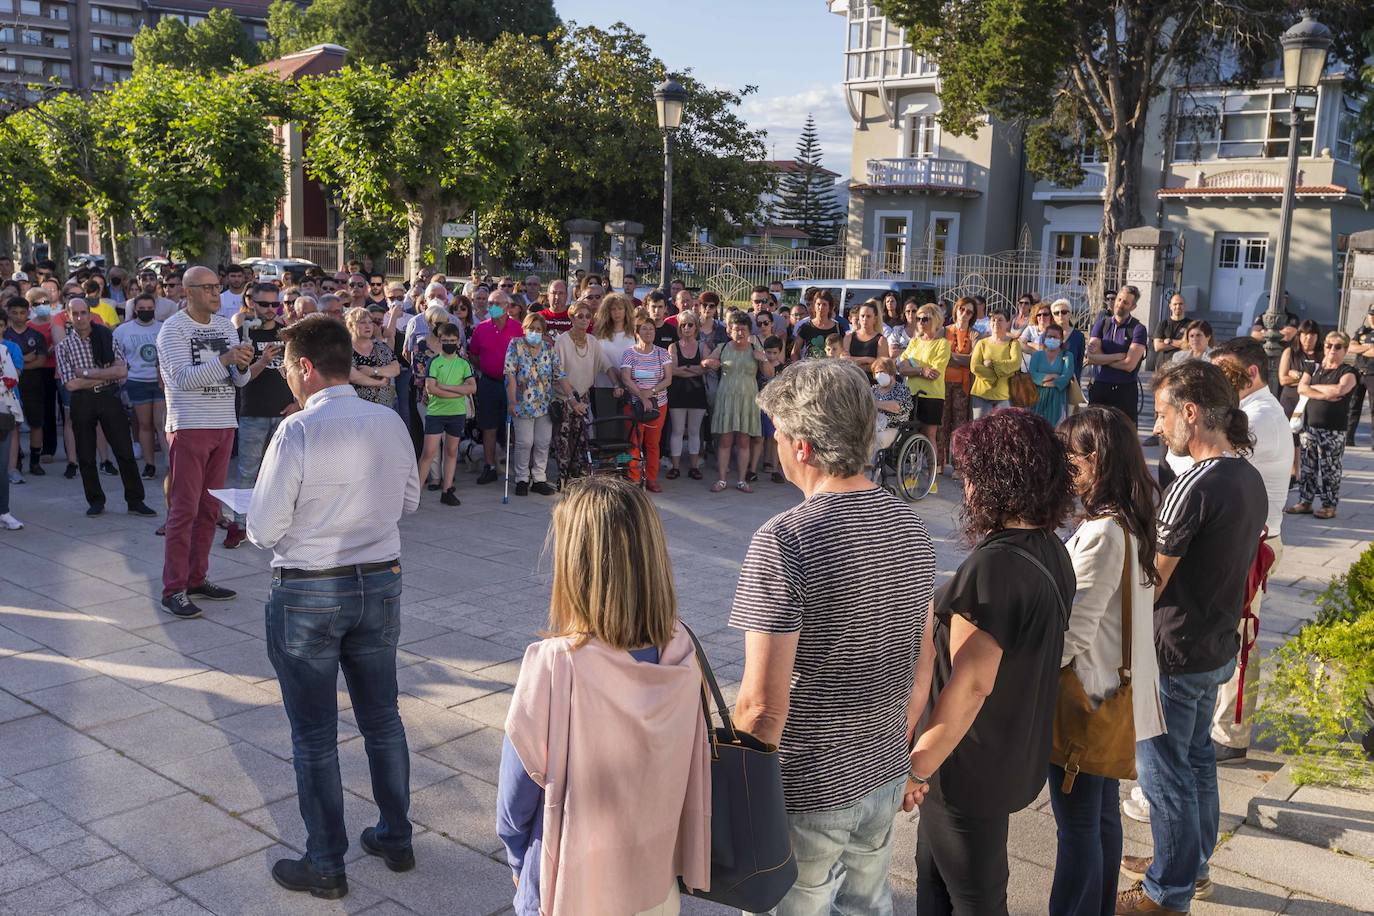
column 200, row 153
column 394, row 31
column 807, row 192
column 429, row 146
column 1364, row 129
column 585, row 103
column 1083, row 73
column 216, row 44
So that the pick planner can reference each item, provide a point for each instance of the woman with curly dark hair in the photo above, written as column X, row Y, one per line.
column 1113, row 553
column 997, row 643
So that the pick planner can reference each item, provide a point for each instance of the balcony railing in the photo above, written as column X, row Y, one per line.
column 918, row 173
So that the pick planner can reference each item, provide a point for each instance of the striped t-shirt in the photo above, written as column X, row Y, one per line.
column 819, row 568
column 646, row 369
column 199, row 388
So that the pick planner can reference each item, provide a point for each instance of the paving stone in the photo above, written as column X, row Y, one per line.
column 211, row 695
column 74, row 634
column 52, row 833
column 14, row 797
column 428, row 725
column 463, row 651
column 442, row 867
column 1240, row 895
column 143, row 835
column 189, row 637
column 245, row 886
column 93, row 701
column 1298, row 867
column 78, row 853
column 478, row 753
column 461, row 808
column 39, row 741
column 23, row 872
column 180, row 906
column 83, row 907
column 357, row 776
column 11, row 707
column 12, row 643
column 92, row 787
column 162, row 736
column 105, row 874
column 50, row 895
column 147, row 664
column 247, row 659
column 490, row 710
column 83, row 592
column 238, row 778
column 31, row 815
column 136, row 896
column 29, row 671
column 441, row 684
column 282, row 820
column 1303, row 905
column 268, row 729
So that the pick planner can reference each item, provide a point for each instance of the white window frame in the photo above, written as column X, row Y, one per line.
column 1228, row 102
column 1347, row 117
column 890, row 57
column 946, row 269
column 880, row 238
column 916, row 126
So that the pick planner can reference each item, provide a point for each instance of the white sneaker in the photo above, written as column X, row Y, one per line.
column 1137, row 807
column 10, row 522
column 16, row 477
column 138, row 451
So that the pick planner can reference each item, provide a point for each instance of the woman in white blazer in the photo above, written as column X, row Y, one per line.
column 1119, row 498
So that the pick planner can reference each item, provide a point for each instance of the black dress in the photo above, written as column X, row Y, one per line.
column 1301, row 362
column 860, row 349
column 687, row 393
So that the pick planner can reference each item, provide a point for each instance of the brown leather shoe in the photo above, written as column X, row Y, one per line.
column 1134, row 900
column 1134, row 867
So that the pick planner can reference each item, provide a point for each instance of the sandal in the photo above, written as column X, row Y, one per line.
column 743, row 487
column 1324, row 512
column 718, row 486
column 673, row 474
column 778, row 477
column 1299, row 509
column 694, row 473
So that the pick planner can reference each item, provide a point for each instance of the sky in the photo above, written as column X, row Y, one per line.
column 792, row 50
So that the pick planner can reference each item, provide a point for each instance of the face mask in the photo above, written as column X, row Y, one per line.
column 1052, row 343
column 144, row 315
column 450, row 348
column 883, row 379
column 42, row 313
column 533, row 338
column 495, row 311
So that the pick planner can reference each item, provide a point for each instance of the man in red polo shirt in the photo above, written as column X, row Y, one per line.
column 487, row 352
column 556, row 317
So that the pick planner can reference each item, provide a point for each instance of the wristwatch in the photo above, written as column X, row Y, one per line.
column 919, row 780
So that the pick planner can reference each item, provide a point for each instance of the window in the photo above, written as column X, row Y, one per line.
column 1075, row 256
column 892, row 232
column 104, row 73
column 103, row 44
column 120, row 18
column 8, row 64
column 877, row 49
column 1347, row 120
column 944, row 244
column 56, row 9
column 1234, row 253
column 1240, row 125
column 924, row 138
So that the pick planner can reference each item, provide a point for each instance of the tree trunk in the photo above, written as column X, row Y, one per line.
column 424, row 219
column 122, row 229
column 1120, row 205
column 214, row 254
column 57, row 252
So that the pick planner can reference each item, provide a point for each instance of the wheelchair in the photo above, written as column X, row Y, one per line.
column 906, row 468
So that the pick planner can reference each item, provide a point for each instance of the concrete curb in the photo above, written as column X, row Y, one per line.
column 1341, row 820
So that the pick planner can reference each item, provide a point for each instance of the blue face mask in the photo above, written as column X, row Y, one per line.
column 1052, row 343
column 533, row 338
column 42, row 313
column 495, row 311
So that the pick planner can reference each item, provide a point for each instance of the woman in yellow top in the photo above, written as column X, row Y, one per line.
column 923, row 365
column 994, row 360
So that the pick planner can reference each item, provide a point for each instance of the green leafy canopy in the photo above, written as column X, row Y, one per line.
column 216, row 44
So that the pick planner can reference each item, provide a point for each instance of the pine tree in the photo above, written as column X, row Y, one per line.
column 807, row 193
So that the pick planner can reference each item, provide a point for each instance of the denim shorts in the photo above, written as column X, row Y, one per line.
column 142, row 392
column 451, row 426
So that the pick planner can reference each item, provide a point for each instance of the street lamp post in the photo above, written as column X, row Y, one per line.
column 669, row 97
column 1304, row 59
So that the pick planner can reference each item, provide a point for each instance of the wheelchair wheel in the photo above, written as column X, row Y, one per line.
column 915, row 468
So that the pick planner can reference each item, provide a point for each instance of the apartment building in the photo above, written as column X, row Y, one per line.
column 1214, row 175
column 87, row 45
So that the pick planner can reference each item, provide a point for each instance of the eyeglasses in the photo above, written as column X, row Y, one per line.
column 923, row 319
column 395, row 298
column 759, row 301
column 358, row 285
column 264, row 303
column 1335, row 346
column 1042, row 315
column 1063, row 312
column 508, row 286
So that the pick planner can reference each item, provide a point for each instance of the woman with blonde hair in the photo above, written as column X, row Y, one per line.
column 616, row 661
column 374, row 365
column 923, row 364
column 611, row 328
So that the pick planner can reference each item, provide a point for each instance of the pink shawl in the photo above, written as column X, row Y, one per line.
column 621, row 751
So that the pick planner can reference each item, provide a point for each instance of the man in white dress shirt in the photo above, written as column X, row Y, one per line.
column 336, row 593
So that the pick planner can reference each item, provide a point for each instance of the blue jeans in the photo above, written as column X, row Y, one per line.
column 843, row 856
column 254, row 434
column 982, row 406
column 4, row 476
column 1178, row 773
column 1089, row 822
column 314, row 628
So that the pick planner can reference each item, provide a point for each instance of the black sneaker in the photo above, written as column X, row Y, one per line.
column 36, row 469
column 178, row 605
column 300, row 875
column 395, row 859
column 522, row 488
column 142, row 509
column 107, row 467
column 149, row 472
column 95, row 509
column 1227, row 754
column 542, row 487
column 70, row 472
column 449, row 498
column 212, row 592
column 431, row 487
column 488, row 474
column 751, row 477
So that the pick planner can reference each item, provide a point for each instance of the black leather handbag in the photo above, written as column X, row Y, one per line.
column 752, row 866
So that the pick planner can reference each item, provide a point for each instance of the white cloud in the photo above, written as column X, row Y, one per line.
column 783, row 117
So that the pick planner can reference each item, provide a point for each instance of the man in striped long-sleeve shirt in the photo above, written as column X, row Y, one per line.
column 201, row 361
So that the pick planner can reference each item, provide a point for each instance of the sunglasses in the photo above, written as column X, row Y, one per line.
column 358, row 285
column 508, row 286
column 923, row 319
column 1335, row 346
column 1063, row 312
column 264, row 303
column 759, row 301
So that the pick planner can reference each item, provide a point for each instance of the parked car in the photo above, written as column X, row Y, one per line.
column 85, row 260
column 848, row 293
column 274, row 269
column 159, row 264
column 522, row 265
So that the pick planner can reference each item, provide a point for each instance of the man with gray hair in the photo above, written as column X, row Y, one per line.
column 830, row 672
column 332, row 305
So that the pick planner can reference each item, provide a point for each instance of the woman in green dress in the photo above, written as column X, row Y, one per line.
column 735, row 419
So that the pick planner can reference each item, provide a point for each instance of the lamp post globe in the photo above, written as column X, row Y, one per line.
column 670, row 98
column 1304, row 45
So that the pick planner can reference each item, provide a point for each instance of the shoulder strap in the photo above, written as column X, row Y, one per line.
column 708, row 677
column 1127, row 600
column 1030, row 558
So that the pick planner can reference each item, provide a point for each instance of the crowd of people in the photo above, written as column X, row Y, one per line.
column 946, row 698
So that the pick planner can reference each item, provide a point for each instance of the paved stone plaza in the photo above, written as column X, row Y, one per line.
column 145, row 761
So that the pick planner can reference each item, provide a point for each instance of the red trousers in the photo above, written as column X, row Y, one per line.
column 648, row 443
column 196, row 462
